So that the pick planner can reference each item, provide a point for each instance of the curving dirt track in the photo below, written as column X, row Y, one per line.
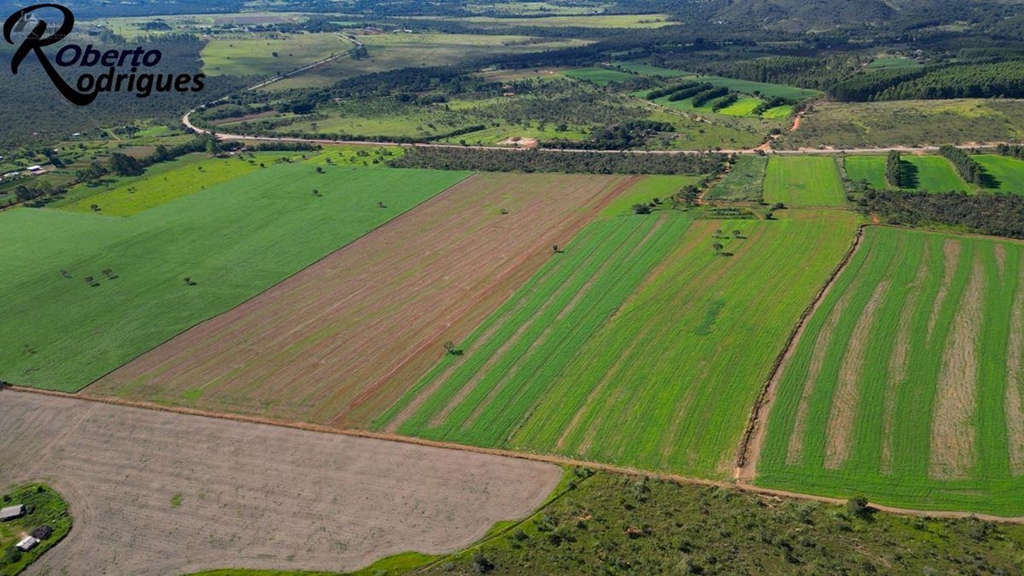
column 248, row 496
column 321, row 346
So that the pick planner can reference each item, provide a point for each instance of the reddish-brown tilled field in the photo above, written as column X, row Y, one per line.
column 155, row 492
column 341, row 341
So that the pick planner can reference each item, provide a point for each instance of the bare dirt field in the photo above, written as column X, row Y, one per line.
column 155, row 492
column 341, row 341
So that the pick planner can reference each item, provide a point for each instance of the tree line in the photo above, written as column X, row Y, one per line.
column 991, row 214
column 894, row 173
column 967, row 167
column 585, row 162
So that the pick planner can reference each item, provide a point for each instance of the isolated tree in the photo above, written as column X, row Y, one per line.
column 554, row 248
column 108, row 272
column 94, row 207
column 65, row 274
column 449, row 347
column 718, row 247
column 718, row 233
column 319, row 169
column 188, row 281
column 641, row 209
column 381, row 205
column 90, row 280
column 737, row 234
column 316, row 192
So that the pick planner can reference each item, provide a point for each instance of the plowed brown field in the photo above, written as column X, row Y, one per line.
column 341, row 341
column 158, row 493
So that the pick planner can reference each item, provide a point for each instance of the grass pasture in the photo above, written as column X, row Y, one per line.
column 923, row 172
column 744, row 86
column 908, row 123
column 247, row 56
column 906, row 384
column 933, row 173
column 804, row 181
column 866, row 168
column 233, row 240
column 639, row 346
column 1007, row 172
column 599, row 76
column 183, row 178
column 744, row 180
column 401, row 50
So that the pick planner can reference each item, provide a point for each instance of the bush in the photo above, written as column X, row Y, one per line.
column 481, row 564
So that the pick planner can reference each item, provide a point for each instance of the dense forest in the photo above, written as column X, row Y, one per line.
column 35, row 110
column 554, row 161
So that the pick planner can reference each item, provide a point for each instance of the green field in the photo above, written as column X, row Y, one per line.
column 931, row 173
column 593, row 360
column 866, row 168
column 804, row 181
column 233, row 240
column 743, row 182
column 742, row 107
column 906, row 385
column 255, row 56
column 599, row 76
column 186, row 177
column 660, row 187
column 1007, row 172
column 400, row 50
column 893, row 62
column 584, row 21
column 744, row 86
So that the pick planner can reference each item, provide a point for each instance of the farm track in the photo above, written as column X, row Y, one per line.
column 756, row 150
column 545, row 458
column 753, row 437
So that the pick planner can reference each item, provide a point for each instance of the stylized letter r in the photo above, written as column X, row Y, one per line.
column 35, row 42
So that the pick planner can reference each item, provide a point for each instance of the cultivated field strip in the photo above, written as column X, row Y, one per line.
column 930, row 416
column 652, row 364
column 322, row 346
column 804, row 181
column 528, row 341
column 246, row 496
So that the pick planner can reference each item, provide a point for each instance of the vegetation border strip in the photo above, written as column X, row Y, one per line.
column 546, row 458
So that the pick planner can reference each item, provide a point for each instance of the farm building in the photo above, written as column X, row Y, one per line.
column 12, row 512
column 37, row 169
column 27, row 543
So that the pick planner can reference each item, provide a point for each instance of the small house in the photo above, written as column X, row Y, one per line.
column 37, row 169
column 27, row 543
column 12, row 512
